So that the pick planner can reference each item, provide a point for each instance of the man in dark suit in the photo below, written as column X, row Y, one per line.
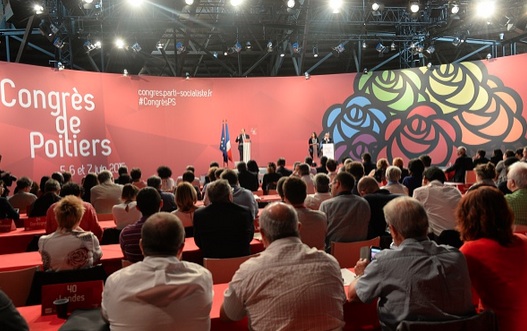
column 281, row 169
column 377, row 198
column 462, row 164
column 223, row 229
column 241, row 139
column 248, row 179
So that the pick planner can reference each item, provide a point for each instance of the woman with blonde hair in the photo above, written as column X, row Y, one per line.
column 186, row 198
column 69, row 247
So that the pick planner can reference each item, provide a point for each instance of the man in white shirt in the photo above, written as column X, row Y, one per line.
column 105, row 195
column 440, row 200
column 322, row 193
column 160, row 293
column 289, row 286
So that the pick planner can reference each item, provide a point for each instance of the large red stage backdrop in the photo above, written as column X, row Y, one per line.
column 83, row 122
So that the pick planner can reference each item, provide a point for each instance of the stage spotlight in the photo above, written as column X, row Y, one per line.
column 335, row 6
column 38, row 9
column 455, row 9
column 180, row 48
column 269, row 46
column 135, row 3
column 136, row 47
column 291, row 3
column 125, row 72
column 393, row 47
column 58, row 42
column 380, row 47
column 187, row 75
column 414, row 6
column 248, row 45
column 364, row 45
column 306, row 75
column 296, row 47
column 189, row 2
column 430, row 50
column 236, row 2
column 339, row 48
column 457, row 41
column 375, row 6
column 89, row 46
column 238, row 47
column 60, row 66
column 485, row 9
column 315, row 51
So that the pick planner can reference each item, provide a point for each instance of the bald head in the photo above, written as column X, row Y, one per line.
column 279, row 220
column 367, row 185
column 162, row 235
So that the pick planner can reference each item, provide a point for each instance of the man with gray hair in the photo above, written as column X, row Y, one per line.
column 162, row 292
column 22, row 198
column 322, row 193
column 289, row 286
column 462, row 164
column 223, row 229
column 393, row 176
column 240, row 195
column 105, row 195
column 416, row 279
column 517, row 183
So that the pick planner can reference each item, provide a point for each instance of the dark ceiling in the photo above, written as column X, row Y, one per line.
column 211, row 30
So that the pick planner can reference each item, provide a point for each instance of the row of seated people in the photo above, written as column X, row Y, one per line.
column 415, row 279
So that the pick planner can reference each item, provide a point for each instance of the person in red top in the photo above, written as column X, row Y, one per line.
column 495, row 256
column 89, row 221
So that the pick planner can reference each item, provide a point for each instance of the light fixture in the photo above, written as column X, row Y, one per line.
column 119, row 43
column 489, row 56
column 339, row 48
column 58, row 42
column 282, row 53
column 393, row 47
column 60, row 66
column 306, row 75
column 414, row 6
column 89, row 46
column 236, row 2
column 296, row 47
column 135, row 3
column 335, row 6
column 125, row 73
column 238, row 47
column 365, row 71
column 160, row 45
column 429, row 65
column 269, row 46
column 225, row 53
column 187, row 75
column 430, row 50
column 38, row 9
column 180, row 48
column 136, row 47
column 486, row 8
column 48, row 29
column 189, row 2
column 248, row 45
column 291, row 3
column 215, row 54
column 375, row 6
column 315, row 51
column 502, row 35
column 454, row 9
column 364, row 45
column 380, row 47
column 458, row 41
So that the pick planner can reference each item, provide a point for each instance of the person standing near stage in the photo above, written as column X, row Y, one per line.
column 241, row 139
column 313, row 144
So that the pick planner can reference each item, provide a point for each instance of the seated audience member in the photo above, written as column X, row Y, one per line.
column 10, row 318
column 186, row 198
column 348, row 215
column 213, row 164
column 22, row 198
column 416, row 168
column 517, row 200
column 162, row 292
column 169, row 202
column 106, row 194
column 417, row 279
column 497, row 156
column 126, row 212
column 240, row 195
column 42, row 186
column 380, row 172
column 393, row 176
column 89, row 181
column 51, row 195
column 503, row 186
column 314, row 222
column 323, row 163
column 331, row 166
column 195, row 180
column 322, row 193
column 305, row 174
column 399, row 163
column 167, row 182
column 439, row 200
column 189, row 177
column 367, row 163
column 58, row 177
column 211, row 176
column 270, row 178
column 223, row 228
column 67, row 176
column 280, row 188
column 135, row 175
column 252, row 166
column 69, row 247
column 148, row 203
column 426, row 159
column 485, row 174
column 502, row 168
column 377, row 198
column 312, row 165
column 89, row 221
column 462, row 164
column 248, row 180
column 356, row 169
column 281, row 169
column 268, row 289
column 6, row 210
column 123, row 176
column 495, row 256
column 480, row 158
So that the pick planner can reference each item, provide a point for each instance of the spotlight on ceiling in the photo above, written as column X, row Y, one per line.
column 315, row 51
column 296, row 47
column 119, row 43
column 58, row 42
column 339, row 49
column 380, row 47
column 414, row 6
column 180, row 48
column 306, row 75
column 136, row 47
column 89, row 46
column 291, row 3
column 189, row 2
column 282, row 53
column 364, row 45
column 458, row 41
column 187, row 75
column 430, row 50
column 38, row 9
column 238, row 47
column 215, row 54
column 375, row 6
column 393, row 47
column 160, row 45
column 455, row 9
column 270, row 46
column 135, row 3
column 335, row 5
column 486, row 8
column 236, row 2
column 248, row 45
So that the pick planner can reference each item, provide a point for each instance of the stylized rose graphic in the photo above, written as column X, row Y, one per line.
column 358, row 145
column 398, row 90
column 356, row 115
column 78, row 258
column 421, row 131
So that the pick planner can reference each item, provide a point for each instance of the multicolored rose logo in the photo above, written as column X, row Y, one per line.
column 411, row 112
column 356, row 121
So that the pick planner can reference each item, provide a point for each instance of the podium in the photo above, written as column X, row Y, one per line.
column 246, row 151
column 328, row 150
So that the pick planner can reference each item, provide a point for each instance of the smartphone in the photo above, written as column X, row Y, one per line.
column 373, row 251
column 368, row 252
